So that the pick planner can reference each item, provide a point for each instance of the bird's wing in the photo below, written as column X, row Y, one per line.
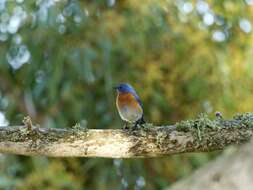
column 132, row 91
column 137, row 98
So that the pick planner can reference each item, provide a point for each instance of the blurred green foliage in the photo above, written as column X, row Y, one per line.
column 60, row 59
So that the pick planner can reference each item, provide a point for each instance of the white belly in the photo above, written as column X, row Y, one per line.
column 130, row 115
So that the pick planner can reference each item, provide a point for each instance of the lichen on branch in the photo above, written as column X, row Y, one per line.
column 195, row 135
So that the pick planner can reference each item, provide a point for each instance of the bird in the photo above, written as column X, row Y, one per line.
column 129, row 105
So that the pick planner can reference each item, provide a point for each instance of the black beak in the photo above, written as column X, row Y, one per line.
column 115, row 87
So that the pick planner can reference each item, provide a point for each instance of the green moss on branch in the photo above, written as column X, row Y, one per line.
column 195, row 135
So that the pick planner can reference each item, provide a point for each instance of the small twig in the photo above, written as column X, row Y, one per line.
column 27, row 121
column 218, row 115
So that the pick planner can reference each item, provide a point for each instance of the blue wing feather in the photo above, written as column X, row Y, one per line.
column 136, row 96
column 138, row 99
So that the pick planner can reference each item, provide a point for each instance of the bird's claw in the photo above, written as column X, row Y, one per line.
column 125, row 127
column 136, row 126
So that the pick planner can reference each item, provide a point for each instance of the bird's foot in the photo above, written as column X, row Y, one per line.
column 125, row 127
column 137, row 126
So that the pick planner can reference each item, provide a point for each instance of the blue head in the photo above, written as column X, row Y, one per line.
column 124, row 87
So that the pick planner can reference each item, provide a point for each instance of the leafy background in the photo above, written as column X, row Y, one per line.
column 60, row 59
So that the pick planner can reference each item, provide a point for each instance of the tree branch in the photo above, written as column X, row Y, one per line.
column 199, row 135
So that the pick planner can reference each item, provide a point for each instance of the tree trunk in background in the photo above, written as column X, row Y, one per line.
column 231, row 171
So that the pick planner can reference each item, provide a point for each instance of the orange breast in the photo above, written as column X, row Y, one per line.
column 128, row 107
column 127, row 99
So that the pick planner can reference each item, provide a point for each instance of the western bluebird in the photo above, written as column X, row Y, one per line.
column 129, row 104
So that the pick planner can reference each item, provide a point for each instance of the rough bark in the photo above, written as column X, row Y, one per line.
column 231, row 171
column 198, row 135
